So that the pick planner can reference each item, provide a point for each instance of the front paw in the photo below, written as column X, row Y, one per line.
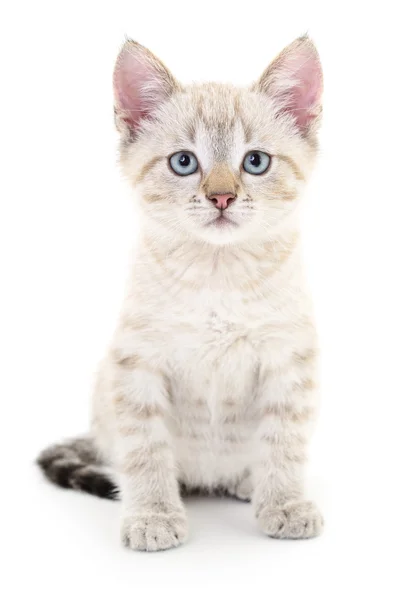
column 297, row 520
column 154, row 531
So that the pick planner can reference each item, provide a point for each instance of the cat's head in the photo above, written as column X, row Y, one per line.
column 217, row 162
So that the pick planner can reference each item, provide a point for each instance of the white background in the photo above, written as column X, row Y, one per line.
column 67, row 226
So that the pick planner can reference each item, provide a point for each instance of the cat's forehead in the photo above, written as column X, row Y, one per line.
column 215, row 121
column 216, row 105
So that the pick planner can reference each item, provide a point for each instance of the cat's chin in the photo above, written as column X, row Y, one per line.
column 222, row 223
column 222, row 231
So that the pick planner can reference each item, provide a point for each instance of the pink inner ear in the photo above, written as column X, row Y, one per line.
column 128, row 78
column 306, row 93
column 297, row 80
column 138, row 86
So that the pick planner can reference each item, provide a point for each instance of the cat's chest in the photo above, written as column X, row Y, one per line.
column 214, row 353
column 214, row 318
column 219, row 333
column 210, row 332
column 212, row 339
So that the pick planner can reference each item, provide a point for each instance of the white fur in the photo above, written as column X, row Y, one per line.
column 210, row 380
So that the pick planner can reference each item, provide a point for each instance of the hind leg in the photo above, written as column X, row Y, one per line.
column 242, row 488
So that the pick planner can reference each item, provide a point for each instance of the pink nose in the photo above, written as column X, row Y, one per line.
column 222, row 201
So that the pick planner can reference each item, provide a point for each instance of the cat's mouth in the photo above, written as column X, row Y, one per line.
column 221, row 222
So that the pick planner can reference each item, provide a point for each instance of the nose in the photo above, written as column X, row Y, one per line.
column 222, row 201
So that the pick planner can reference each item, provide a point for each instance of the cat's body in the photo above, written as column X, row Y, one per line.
column 210, row 381
column 211, row 344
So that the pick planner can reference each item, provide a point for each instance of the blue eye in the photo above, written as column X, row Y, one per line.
column 256, row 162
column 184, row 163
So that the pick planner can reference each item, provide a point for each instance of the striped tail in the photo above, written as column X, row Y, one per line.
column 75, row 464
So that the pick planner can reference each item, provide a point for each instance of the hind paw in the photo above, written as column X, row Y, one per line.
column 243, row 489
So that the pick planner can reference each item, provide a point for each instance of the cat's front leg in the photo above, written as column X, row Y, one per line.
column 153, row 514
column 288, row 405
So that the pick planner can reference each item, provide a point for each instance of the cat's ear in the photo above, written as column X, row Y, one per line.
column 294, row 82
column 141, row 83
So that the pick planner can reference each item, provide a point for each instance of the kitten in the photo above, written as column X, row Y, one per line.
column 210, row 381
